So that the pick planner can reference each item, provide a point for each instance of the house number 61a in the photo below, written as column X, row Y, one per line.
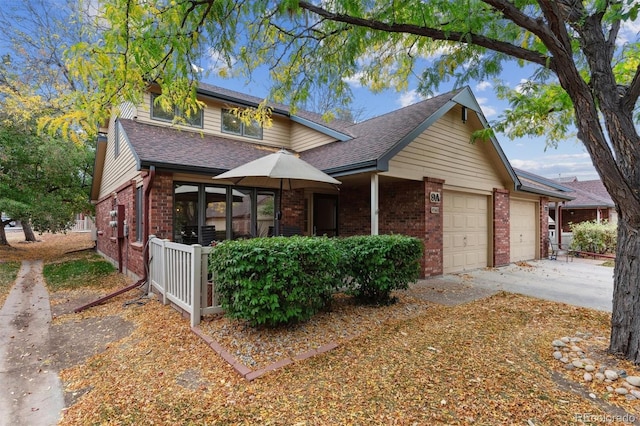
column 434, row 197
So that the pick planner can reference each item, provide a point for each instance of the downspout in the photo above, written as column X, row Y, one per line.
column 145, row 250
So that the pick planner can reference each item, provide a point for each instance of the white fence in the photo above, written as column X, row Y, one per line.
column 179, row 273
column 83, row 224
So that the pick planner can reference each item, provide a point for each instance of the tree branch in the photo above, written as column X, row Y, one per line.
column 633, row 92
column 436, row 34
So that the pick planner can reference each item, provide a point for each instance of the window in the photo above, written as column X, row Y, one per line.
column 232, row 124
column 139, row 213
column 159, row 113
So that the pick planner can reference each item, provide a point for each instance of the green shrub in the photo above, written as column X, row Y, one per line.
column 373, row 266
column 272, row 281
column 594, row 237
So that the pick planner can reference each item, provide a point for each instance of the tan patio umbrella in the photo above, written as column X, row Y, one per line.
column 281, row 170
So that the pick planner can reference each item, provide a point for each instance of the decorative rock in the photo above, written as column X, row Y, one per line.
column 592, row 395
column 577, row 364
column 587, row 377
column 630, row 397
column 622, row 391
column 635, row 393
column 610, row 388
column 622, row 374
column 570, row 367
column 558, row 343
column 564, row 359
column 565, row 339
column 633, row 380
column 576, row 340
column 576, row 348
column 557, row 355
column 599, row 376
column 589, row 368
column 588, row 361
column 611, row 375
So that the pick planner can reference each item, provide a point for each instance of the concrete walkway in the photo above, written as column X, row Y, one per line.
column 579, row 282
column 31, row 393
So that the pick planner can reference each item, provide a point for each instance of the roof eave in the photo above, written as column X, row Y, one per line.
column 552, row 195
column 320, row 128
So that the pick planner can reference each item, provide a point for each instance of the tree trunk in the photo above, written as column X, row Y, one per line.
column 28, row 232
column 625, row 318
column 3, row 236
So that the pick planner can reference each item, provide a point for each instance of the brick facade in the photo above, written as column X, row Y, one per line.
column 501, row 227
column 543, row 215
column 354, row 210
column 434, row 229
column 293, row 211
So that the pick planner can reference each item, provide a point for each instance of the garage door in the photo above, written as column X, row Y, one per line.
column 524, row 226
column 466, row 231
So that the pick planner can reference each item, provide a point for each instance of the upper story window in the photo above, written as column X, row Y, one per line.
column 232, row 124
column 159, row 113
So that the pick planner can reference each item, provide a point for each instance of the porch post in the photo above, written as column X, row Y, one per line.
column 374, row 204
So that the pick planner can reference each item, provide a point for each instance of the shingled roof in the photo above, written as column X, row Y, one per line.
column 589, row 194
column 167, row 147
column 377, row 138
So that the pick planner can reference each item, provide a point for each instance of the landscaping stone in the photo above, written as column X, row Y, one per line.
column 633, row 380
column 573, row 357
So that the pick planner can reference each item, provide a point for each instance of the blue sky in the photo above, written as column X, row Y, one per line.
column 568, row 159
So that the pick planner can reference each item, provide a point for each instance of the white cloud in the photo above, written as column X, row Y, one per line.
column 629, row 31
column 218, row 63
column 483, row 85
column 487, row 110
column 409, row 98
column 354, row 80
column 553, row 166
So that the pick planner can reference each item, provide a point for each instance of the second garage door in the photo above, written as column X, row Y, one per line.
column 466, row 231
column 523, row 230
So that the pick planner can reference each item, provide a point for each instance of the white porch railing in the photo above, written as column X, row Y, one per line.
column 179, row 273
column 83, row 224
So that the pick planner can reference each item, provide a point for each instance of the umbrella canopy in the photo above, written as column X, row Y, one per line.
column 281, row 170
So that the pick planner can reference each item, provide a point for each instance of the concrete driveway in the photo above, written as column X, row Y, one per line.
column 579, row 282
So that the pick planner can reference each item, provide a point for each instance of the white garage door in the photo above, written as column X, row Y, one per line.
column 466, row 231
column 524, row 225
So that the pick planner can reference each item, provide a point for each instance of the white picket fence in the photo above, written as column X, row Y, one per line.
column 179, row 272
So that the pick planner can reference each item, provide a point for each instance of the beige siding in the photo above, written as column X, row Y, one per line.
column 443, row 151
column 120, row 169
column 304, row 138
column 278, row 135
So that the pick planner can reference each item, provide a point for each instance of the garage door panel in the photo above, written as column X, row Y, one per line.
column 523, row 229
column 466, row 231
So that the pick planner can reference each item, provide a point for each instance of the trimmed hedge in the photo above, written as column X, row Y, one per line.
column 280, row 280
column 373, row 266
column 594, row 237
column 272, row 281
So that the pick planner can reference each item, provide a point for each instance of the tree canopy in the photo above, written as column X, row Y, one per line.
column 585, row 74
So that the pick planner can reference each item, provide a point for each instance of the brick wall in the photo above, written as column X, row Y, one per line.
column 543, row 214
column 161, row 206
column 501, row 227
column 107, row 243
column 354, row 210
column 293, row 212
column 434, row 228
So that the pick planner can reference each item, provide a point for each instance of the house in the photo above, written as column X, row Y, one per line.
column 412, row 171
column 591, row 202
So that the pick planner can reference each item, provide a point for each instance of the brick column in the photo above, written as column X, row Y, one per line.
column 501, row 227
column 434, row 227
column 161, row 206
column 544, row 227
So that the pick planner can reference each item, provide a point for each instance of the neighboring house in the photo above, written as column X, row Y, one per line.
column 412, row 171
column 591, row 202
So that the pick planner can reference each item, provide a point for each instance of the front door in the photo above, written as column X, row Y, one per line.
column 325, row 215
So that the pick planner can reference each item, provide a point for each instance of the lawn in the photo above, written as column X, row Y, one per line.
column 487, row 362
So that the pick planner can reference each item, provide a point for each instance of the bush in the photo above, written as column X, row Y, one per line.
column 272, row 281
column 373, row 266
column 594, row 237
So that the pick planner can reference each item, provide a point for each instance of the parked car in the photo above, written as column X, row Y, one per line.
column 5, row 217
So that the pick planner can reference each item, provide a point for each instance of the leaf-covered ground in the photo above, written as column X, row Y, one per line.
column 487, row 362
